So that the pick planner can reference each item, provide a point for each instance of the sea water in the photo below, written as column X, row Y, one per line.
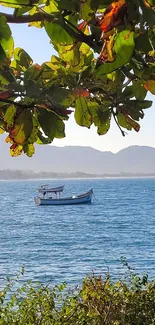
column 66, row 243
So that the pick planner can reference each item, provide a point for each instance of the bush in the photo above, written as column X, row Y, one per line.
column 97, row 302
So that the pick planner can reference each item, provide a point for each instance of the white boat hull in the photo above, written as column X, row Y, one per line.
column 81, row 199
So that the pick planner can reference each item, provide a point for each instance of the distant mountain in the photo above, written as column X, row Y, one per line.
column 72, row 159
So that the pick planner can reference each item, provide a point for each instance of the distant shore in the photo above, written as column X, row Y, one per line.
column 27, row 175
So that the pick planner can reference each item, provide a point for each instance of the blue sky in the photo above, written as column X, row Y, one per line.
column 37, row 44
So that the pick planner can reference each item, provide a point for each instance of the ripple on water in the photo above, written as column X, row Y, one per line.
column 65, row 243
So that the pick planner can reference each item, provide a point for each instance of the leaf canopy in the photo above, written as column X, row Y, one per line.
column 103, row 70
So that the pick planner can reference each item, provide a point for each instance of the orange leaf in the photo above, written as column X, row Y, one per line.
column 113, row 16
column 81, row 92
column 8, row 139
column 150, row 85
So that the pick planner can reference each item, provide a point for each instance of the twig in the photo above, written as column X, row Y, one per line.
column 128, row 74
column 114, row 116
column 126, row 83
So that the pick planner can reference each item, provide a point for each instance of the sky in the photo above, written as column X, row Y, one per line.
column 36, row 42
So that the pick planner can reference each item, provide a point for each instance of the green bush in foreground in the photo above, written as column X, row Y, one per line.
column 97, row 302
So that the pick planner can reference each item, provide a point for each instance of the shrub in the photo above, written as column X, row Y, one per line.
column 97, row 302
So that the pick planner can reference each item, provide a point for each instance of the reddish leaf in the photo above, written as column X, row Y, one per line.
column 67, row 112
column 133, row 123
column 14, row 146
column 82, row 25
column 107, row 54
column 37, row 66
column 6, row 94
column 81, row 92
column 113, row 16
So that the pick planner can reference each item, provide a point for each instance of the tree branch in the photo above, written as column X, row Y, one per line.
column 27, row 18
column 42, row 16
column 19, row 104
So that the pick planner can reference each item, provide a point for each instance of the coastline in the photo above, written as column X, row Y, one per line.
column 8, row 175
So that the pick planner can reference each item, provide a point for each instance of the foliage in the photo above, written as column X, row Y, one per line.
column 98, row 302
column 104, row 68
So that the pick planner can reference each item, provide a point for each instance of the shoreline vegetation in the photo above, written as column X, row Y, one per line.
column 8, row 174
column 97, row 301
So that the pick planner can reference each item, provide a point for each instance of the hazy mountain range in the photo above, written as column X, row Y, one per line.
column 72, row 159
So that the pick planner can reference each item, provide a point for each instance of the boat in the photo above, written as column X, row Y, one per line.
column 47, row 189
column 47, row 199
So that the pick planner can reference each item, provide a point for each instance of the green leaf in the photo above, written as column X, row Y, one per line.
column 32, row 89
column 123, row 47
column 72, row 5
column 101, row 116
column 20, row 11
column 51, row 8
column 22, row 128
column 70, row 54
column 132, row 110
column 82, row 113
column 14, row 3
column 139, row 90
column 139, row 104
column 86, row 10
column 142, row 43
column 10, row 115
column 33, row 72
column 57, row 33
column 17, row 87
column 2, row 126
column 6, row 76
column 6, row 40
column 128, row 92
column 2, row 55
column 60, row 129
column 50, row 124
column 41, row 139
column 102, row 121
column 34, row 134
column 123, row 122
column 29, row 149
column 148, row 15
column 60, row 97
column 22, row 58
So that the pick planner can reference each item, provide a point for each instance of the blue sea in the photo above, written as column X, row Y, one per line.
column 66, row 243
